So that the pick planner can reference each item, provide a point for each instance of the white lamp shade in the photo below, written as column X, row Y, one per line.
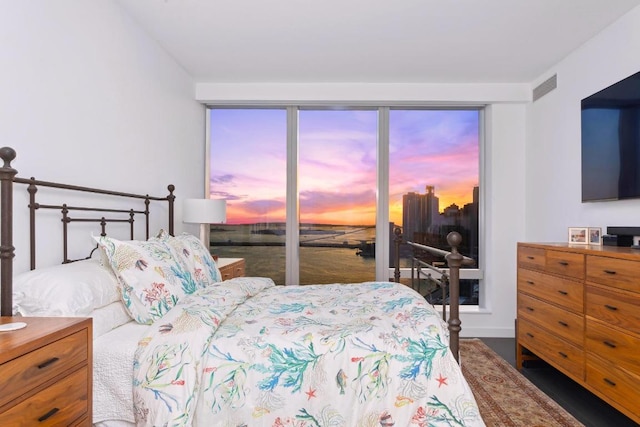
column 204, row 211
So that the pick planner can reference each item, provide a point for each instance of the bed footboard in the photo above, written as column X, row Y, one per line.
column 446, row 277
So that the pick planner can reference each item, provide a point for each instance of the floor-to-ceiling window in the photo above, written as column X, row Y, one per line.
column 340, row 174
column 247, row 164
column 337, row 195
column 434, row 170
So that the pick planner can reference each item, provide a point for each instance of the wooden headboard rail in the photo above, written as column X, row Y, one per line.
column 7, row 250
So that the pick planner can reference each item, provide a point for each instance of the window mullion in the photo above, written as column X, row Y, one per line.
column 292, row 239
column 382, row 203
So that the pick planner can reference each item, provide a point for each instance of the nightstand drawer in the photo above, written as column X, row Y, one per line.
column 38, row 366
column 60, row 404
column 231, row 267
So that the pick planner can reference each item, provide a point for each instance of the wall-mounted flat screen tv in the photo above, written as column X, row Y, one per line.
column 611, row 142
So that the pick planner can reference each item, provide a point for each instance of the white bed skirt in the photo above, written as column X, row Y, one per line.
column 114, row 423
column 112, row 375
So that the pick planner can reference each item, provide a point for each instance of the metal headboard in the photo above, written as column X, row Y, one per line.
column 100, row 215
column 68, row 218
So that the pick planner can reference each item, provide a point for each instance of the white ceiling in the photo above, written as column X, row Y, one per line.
column 381, row 41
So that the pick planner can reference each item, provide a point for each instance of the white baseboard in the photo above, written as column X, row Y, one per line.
column 471, row 332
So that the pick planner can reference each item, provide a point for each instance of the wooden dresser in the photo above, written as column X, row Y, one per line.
column 579, row 310
column 231, row 267
column 46, row 372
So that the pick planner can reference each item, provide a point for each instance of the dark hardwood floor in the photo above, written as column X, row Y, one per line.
column 582, row 404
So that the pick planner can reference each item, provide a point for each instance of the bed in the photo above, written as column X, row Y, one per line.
column 174, row 345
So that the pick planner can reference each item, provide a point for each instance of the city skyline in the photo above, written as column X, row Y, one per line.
column 337, row 162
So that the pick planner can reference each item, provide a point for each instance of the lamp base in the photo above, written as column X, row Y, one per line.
column 206, row 240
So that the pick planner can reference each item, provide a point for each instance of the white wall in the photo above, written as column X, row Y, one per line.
column 87, row 98
column 553, row 168
column 375, row 93
column 503, row 218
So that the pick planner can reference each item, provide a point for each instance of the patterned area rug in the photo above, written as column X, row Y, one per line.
column 505, row 397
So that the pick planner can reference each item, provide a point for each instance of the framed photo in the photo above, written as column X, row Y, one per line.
column 595, row 236
column 579, row 235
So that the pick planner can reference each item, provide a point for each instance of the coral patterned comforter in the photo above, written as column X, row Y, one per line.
column 248, row 353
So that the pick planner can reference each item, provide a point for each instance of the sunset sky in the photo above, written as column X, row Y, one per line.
column 337, row 162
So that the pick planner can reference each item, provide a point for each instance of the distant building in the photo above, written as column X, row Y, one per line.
column 423, row 223
column 419, row 212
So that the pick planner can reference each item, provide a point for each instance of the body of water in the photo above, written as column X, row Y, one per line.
column 328, row 254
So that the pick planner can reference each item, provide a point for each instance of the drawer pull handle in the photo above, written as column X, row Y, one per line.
column 531, row 257
column 609, row 344
column 48, row 362
column 563, row 354
column 611, row 307
column 530, row 282
column 565, row 324
column 610, row 271
column 530, row 334
column 563, row 292
column 564, row 263
column 608, row 381
column 48, row 414
column 530, row 308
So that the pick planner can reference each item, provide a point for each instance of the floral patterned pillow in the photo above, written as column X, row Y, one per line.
column 152, row 275
column 196, row 256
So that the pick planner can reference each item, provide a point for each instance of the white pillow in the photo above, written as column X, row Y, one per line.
column 108, row 318
column 74, row 289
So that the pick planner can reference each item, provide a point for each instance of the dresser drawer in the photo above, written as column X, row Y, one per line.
column 565, row 324
column 618, row 386
column 564, row 292
column 564, row 356
column 565, row 263
column 616, row 308
column 617, row 273
column 60, row 404
column 38, row 366
column 619, row 348
column 531, row 257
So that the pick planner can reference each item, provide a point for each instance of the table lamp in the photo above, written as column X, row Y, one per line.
column 204, row 212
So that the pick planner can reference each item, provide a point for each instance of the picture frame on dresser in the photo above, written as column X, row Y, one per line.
column 595, row 236
column 579, row 235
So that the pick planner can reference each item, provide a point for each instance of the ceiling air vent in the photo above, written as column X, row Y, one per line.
column 545, row 87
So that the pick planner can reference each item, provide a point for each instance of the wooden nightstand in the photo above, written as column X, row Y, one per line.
column 231, row 267
column 46, row 372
